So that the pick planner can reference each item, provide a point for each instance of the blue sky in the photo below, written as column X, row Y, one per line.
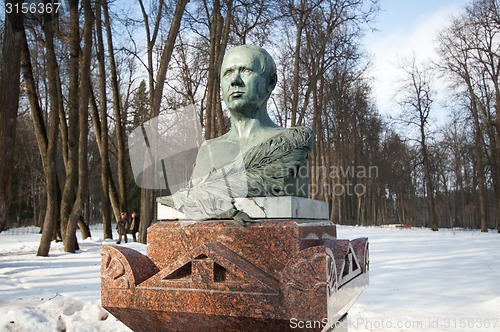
column 403, row 27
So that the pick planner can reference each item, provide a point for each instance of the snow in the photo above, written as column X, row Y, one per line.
column 428, row 281
column 419, row 281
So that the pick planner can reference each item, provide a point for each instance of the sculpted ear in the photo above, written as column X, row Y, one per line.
column 272, row 83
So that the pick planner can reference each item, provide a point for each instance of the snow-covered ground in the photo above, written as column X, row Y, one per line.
column 419, row 281
column 428, row 281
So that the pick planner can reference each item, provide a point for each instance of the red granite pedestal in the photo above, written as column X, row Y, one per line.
column 275, row 275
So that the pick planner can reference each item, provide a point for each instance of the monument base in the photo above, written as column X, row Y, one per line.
column 274, row 275
column 282, row 207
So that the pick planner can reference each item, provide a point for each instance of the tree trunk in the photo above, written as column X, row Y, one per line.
column 209, row 112
column 224, row 37
column 102, row 127
column 119, row 125
column 497, row 161
column 479, row 162
column 84, row 228
column 296, row 65
column 428, row 183
column 146, row 215
column 50, row 153
column 219, row 36
column 71, row 181
column 147, row 195
column 167, row 55
column 70, row 243
column 10, row 64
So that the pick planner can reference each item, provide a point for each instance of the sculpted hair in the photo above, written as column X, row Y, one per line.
column 267, row 63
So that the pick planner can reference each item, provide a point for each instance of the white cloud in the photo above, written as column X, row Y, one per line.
column 389, row 47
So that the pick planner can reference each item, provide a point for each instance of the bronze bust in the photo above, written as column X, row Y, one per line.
column 256, row 157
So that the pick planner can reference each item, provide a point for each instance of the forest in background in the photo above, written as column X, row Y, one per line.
column 75, row 83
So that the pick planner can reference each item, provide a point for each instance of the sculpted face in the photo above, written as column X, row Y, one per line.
column 245, row 87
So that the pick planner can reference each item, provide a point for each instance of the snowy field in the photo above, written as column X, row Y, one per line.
column 419, row 281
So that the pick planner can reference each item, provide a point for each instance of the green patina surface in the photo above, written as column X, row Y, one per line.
column 256, row 157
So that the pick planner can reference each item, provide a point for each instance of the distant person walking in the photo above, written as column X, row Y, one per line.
column 122, row 226
column 134, row 225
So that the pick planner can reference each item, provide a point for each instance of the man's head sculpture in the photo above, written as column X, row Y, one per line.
column 256, row 157
column 248, row 76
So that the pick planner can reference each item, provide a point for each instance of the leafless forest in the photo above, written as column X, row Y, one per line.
column 74, row 83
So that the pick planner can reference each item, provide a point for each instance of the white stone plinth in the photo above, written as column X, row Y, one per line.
column 164, row 212
column 282, row 207
column 265, row 208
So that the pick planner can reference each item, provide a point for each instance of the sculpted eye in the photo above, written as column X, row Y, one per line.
column 228, row 72
column 247, row 71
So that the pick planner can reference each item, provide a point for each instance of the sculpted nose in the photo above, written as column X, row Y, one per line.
column 236, row 80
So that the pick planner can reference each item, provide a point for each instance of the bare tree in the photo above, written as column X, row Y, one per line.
column 323, row 84
column 46, row 136
column 100, row 120
column 10, row 63
column 298, row 14
column 117, row 108
column 156, row 85
column 219, row 28
column 416, row 97
column 71, row 163
column 459, row 148
column 397, row 193
column 75, row 218
column 470, row 55
column 324, row 88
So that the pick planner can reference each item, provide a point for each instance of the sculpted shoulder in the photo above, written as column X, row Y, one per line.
column 217, row 152
column 264, row 135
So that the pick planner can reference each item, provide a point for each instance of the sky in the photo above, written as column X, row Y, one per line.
column 404, row 27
